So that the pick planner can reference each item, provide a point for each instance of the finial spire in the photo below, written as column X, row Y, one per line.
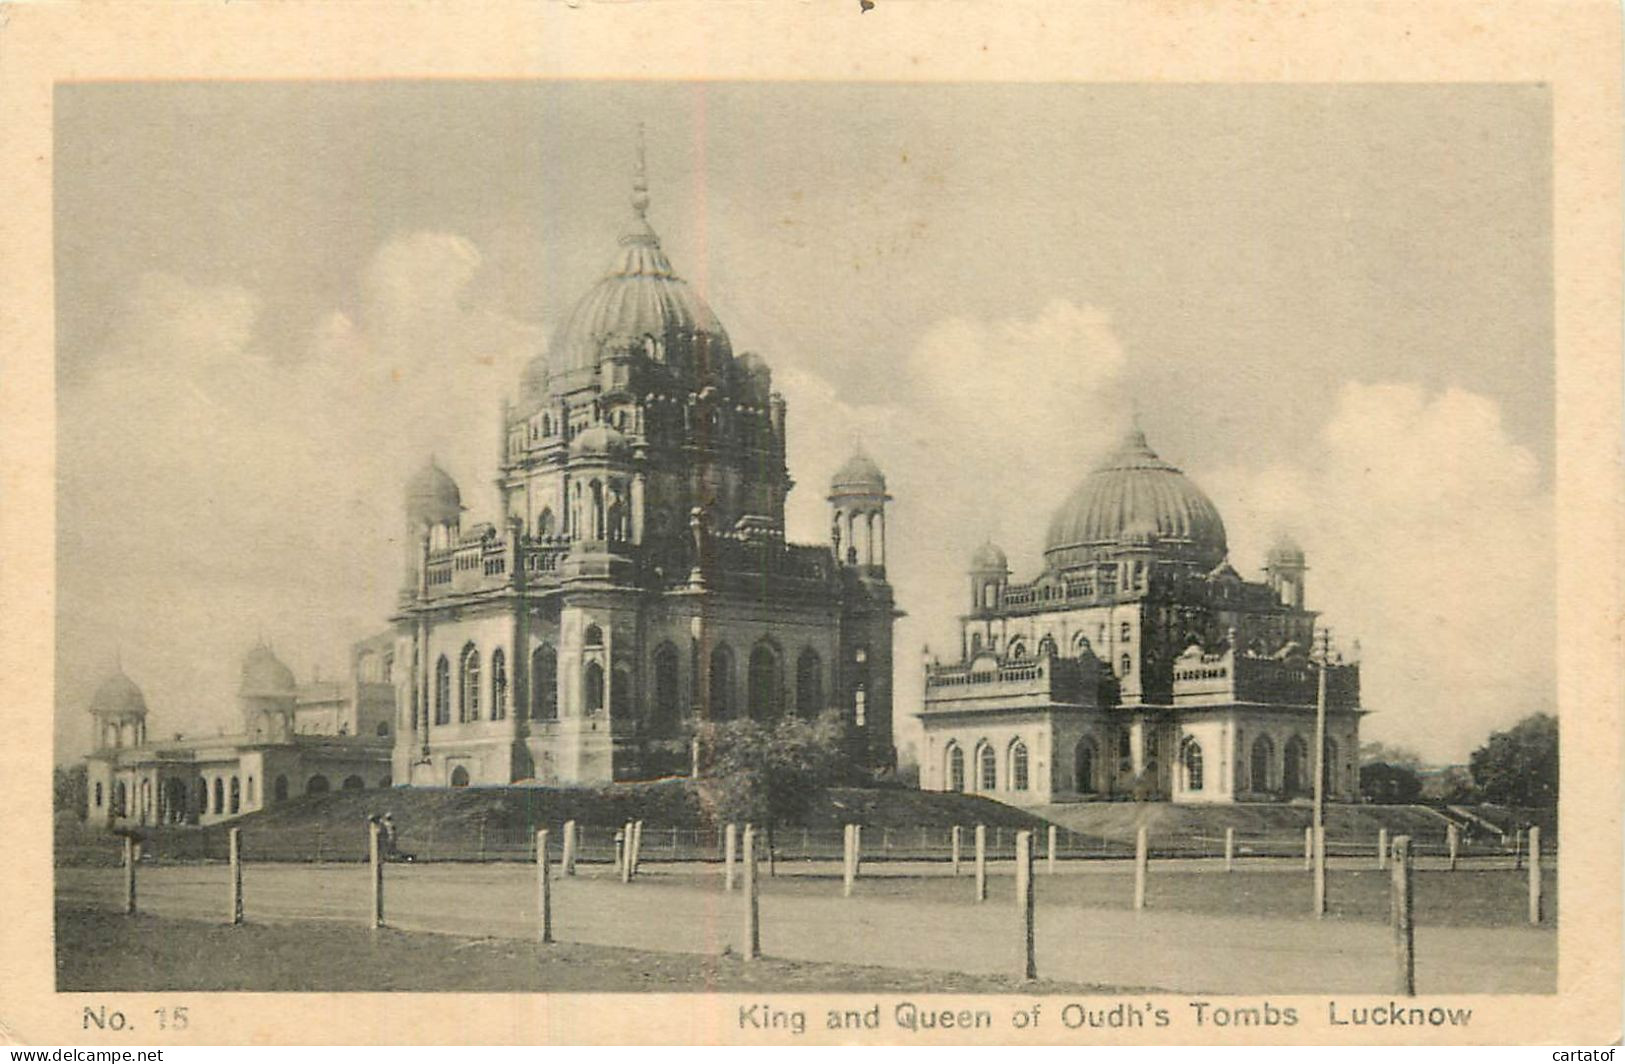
column 640, row 179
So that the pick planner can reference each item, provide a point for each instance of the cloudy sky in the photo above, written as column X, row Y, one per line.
column 1331, row 306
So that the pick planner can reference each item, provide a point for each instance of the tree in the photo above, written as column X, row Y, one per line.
column 768, row 772
column 1389, row 754
column 69, row 789
column 1519, row 766
column 1389, row 784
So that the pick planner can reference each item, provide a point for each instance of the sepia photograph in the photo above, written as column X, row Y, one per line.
column 916, row 541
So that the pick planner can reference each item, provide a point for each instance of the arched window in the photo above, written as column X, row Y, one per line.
column 468, row 706
column 592, row 688
column 544, row 683
column 279, row 790
column 1125, row 746
column 719, row 705
column 317, row 785
column 1125, row 665
column 1125, row 632
column 1046, row 647
column 765, row 685
column 668, row 693
column 1294, row 767
column 353, row 783
column 459, row 776
column 956, row 767
column 987, row 771
column 120, row 798
column 809, row 684
column 98, row 795
column 620, row 693
column 442, row 691
column 1017, row 649
column 1263, row 757
column 251, row 790
column 594, row 636
column 219, row 796
column 499, row 685
column 544, row 523
column 1083, row 765
column 860, row 685
column 976, row 642
column 236, row 796
column 1190, row 759
column 1080, row 646
column 383, row 728
column 1018, row 766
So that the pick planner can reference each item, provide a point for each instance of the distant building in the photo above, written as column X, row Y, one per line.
column 636, row 580
column 1138, row 662
column 295, row 739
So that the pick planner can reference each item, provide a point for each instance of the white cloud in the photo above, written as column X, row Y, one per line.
column 1429, row 540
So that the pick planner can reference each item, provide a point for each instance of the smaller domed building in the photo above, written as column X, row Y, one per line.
column 293, row 739
column 1138, row 662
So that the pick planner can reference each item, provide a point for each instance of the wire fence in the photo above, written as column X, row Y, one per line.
column 482, row 841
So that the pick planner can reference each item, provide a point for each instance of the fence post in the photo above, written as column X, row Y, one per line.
column 981, row 862
column 129, row 875
column 234, row 853
column 1142, row 857
column 544, row 886
column 1320, row 871
column 1308, row 848
column 857, row 850
column 1452, row 843
column 1534, row 876
column 569, row 847
column 730, row 840
column 849, row 863
column 1382, row 848
column 375, row 858
column 1049, row 852
column 1404, row 930
column 1229, row 849
column 1517, row 851
column 753, row 924
column 1024, row 902
column 623, row 852
column 954, row 847
column 674, row 842
column 480, row 846
column 637, row 846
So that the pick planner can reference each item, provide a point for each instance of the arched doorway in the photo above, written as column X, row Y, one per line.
column 353, row 783
column 809, row 684
column 720, row 705
column 279, row 791
column 1084, row 763
column 667, row 707
column 1190, row 763
column 317, row 785
column 1262, row 760
column 1294, row 773
column 766, row 686
column 459, row 776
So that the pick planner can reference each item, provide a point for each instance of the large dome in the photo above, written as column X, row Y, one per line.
column 432, row 497
column 1134, row 498
column 641, row 304
column 118, row 696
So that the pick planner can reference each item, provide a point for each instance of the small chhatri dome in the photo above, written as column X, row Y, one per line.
column 641, row 304
column 432, row 497
column 989, row 559
column 1134, row 498
column 1285, row 549
column 859, row 476
column 118, row 696
column 600, row 441
column 265, row 674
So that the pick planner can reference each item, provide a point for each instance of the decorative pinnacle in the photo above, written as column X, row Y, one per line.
column 640, row 179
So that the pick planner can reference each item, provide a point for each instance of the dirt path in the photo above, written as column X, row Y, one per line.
column 1188, row 952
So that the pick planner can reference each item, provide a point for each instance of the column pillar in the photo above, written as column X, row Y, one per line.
column 637, row 508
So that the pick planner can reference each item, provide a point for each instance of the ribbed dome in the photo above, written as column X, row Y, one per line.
column 1134, row 498
column 641, row 305
column 118, row 696
column 989, row 558
column 265, row 674
column 432, row 497
column 859, row 476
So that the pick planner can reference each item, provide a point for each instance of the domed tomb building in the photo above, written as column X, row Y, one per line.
column 290, row 739
column 636, row 580
column 1138, row 663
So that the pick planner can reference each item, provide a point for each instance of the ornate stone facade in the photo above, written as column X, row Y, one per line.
column 637, row 579
column 1138, row 663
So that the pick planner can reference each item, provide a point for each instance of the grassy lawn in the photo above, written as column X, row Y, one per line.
column 101, row 951
column 1464, row 898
